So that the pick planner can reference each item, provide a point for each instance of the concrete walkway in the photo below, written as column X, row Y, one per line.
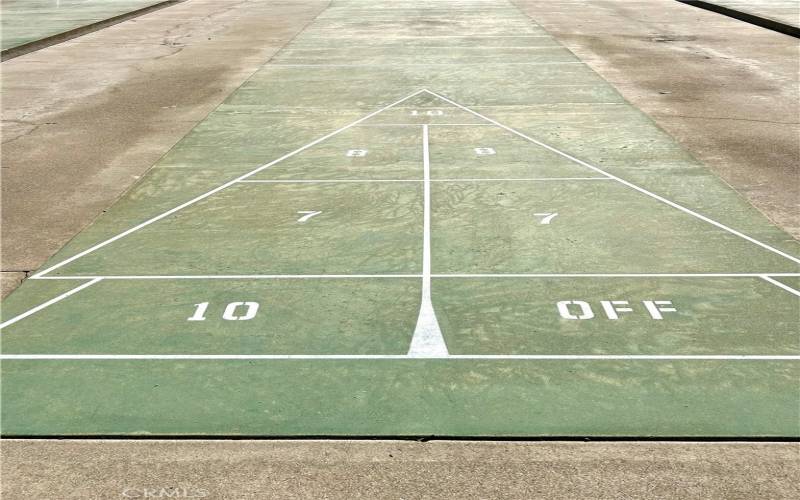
column 399, row 469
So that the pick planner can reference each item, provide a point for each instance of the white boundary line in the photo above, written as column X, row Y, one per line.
column 429, row 124
column 433, row 275
column 335, row 181
column 537, row 179
column 781, row 285
column 617, row 275
column 220, row 188
column 500, row 357
column 622, row 181
column 323, row 181
column 402, row 65
column 236, row 276
column 50, row 302
column 481, row 47
column 418, row 37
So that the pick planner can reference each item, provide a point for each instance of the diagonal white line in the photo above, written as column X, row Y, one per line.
column 220, row 188
column 622, row 181
column 781, row 285
column 49, row 302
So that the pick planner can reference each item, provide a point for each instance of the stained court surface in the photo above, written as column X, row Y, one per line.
column 415, row 221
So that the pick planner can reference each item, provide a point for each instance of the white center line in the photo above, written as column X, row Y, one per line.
column 428, row 340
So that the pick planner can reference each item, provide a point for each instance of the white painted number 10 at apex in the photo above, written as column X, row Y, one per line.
column 231, row 312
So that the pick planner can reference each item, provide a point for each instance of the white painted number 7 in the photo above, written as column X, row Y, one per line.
column 546, row 217
column 307, row 214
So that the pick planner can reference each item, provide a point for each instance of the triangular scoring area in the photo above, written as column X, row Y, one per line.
column 253, row 224
column 423, row 108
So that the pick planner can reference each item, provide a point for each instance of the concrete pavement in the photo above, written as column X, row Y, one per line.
column 398, row 470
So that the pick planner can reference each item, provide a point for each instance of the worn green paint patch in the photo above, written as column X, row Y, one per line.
column 357, row 153
column 411, row 55
column 254, row 229
column 401, row 398
column 494, row 153
column 479, row 42
column 703, row 316
column 601, row 227
column 294, row 317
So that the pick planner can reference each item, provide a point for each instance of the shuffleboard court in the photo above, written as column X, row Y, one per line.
column 415, row 221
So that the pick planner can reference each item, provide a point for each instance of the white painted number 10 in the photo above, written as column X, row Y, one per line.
column 231, row 312
column 430, row 112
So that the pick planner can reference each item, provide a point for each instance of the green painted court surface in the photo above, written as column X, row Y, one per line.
column 415, row 221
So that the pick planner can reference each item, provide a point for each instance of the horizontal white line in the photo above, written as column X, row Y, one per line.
column 371, row 37
column 429, row 124
column 451, row 47
column 232, row 276
column 500, row 357
column 333, row 181
column 476, row 63
column 322, row 181
column 525, row 179
column 366, row 276
column 616, row 275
